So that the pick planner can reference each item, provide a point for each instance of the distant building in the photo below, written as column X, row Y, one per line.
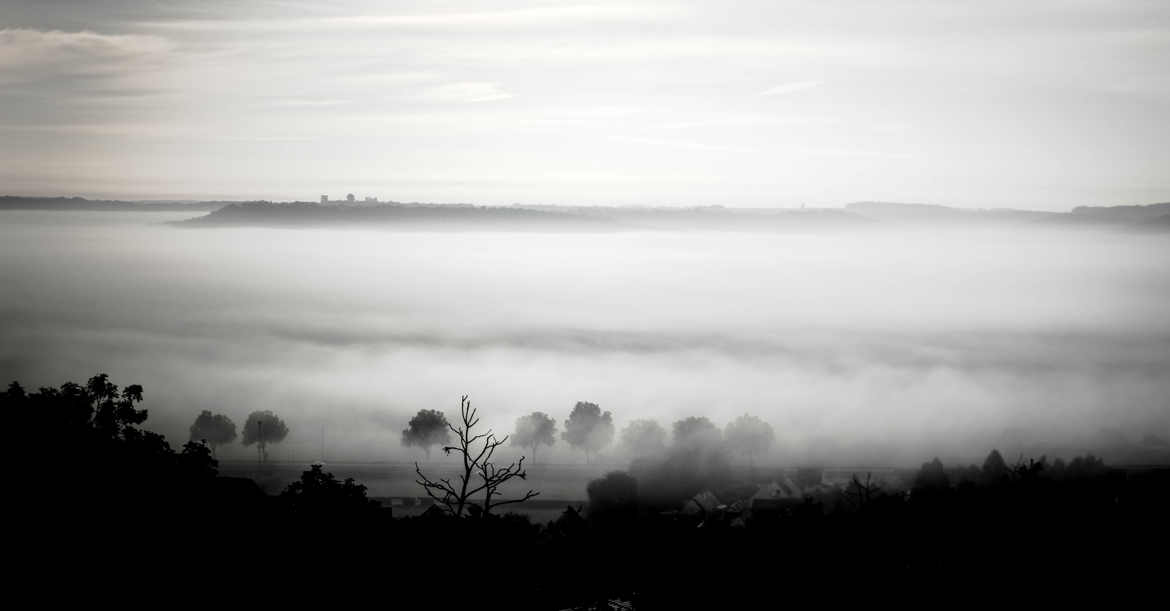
column 350, row 198
column 371, row 200
column 324, row 199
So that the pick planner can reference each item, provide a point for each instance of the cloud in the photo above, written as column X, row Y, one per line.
column 467, row 92
column 34, row 54
column 794, row 87
column 525, row 17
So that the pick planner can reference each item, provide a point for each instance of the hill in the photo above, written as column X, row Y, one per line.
column 432, row 217
column 459, row 217
column 1120, row 214
column 934, row 213
column 20, row 202
column 1151, row 217
column 470, row 217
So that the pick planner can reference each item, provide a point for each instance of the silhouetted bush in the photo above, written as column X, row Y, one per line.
column 684, row 471
column 319, row 494
column 614, row 496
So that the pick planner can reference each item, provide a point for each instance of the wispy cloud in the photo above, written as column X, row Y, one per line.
column 794, row 87
column 525, row 17
column 35, row 54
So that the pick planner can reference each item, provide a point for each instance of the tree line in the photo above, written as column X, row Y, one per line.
column 587, row 429
column 260, row 429
column 590, row 430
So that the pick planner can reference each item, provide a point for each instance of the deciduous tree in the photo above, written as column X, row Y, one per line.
column 428, row 428
column 588, row 428
column 263, row 428
column 534, row 430
column 215, row 429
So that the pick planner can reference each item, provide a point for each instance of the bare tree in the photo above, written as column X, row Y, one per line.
column 859, row 495
column 456, row 498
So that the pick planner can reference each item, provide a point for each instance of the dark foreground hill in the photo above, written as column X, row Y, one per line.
column 110, row 511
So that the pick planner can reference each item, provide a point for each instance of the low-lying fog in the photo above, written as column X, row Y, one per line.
column 877, row 347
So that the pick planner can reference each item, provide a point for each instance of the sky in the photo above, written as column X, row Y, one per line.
column 1047, row 104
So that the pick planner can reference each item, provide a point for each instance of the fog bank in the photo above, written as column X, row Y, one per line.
column 879, row 347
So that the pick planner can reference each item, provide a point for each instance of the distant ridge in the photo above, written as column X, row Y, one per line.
column 1121, row 214
column 1131, row 217
column 21, row 202
column 468, row 217
column 892, row 211
column 427, row 217
column 720, row 218
column 456, row 217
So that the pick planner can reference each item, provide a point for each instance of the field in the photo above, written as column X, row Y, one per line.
column 393, row 483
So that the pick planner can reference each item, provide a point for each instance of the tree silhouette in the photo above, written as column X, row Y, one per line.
column 318, row 493
column 858, row 495
column 214, row 429
column 995, row 469
column 1084, row 467
column 588, row 428
column 644, row 438
column 112, row 412
column 121, row 475
column 97, row 411
column 534, row 430
column 932, row 476
column 263, row 428
column 428, row 428
column 696, row 431
column 750, row 436
column 196, row 461
column 456, row 498
column 617, row 490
